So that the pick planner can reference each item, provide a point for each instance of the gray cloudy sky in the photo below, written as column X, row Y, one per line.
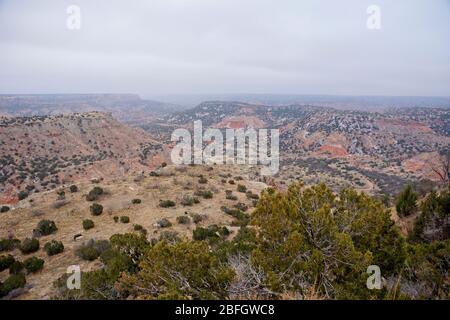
column 226, row 46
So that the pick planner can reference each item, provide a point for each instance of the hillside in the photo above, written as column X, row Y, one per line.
column 189, row 206
column 378, row 152
column 84, row 189
column 128, row 108
column 40, row 153
column 169, row 183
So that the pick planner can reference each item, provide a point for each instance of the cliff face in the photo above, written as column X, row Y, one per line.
column 41, row 152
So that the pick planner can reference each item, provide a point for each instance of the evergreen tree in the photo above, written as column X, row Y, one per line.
column 310, row 240
column 406, row 202
column 184, row 270
column 433, row 223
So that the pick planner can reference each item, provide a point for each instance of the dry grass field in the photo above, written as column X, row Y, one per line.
column 171, row 184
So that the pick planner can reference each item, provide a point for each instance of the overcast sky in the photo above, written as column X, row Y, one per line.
column 156, row 47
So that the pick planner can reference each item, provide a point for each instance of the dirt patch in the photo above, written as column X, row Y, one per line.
column 333, row 151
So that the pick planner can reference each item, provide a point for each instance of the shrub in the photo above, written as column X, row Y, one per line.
column 242, row 218
column 427, row 268
column 88, row 224
column 45, row 228
column 224, row 232
column 53, row 247
column 29, row 245
column 241, row 188
column 359, row 227
column 96, row 209
column 199, row 274
column 14, row 281
column 130, row 245
column 136, row 201
column 206, row 194
column 169, row 236
column 241, row 245
column 251, row 195
column 88, row 253
column 92, row 249
column 23, row 194
column 116, row 219
column 166, row 203
column 16, row 267
column 164, row 223
column 141, row 229
column 229, row 195
column 73, row 188
column 124, row 219
column 4, row 209
column 94, row 194
column 9, row 244
column 33, row 264
column 202, row 180
column 386, row 199
column 6, row 261
column 241, row 206
column 200, row 234
column 433, row 223
column 183, row 220
column 211, row 233
column 406, row 202
column 197, row 218
column 61, row 194
column 188, row 200
column 231, row 181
